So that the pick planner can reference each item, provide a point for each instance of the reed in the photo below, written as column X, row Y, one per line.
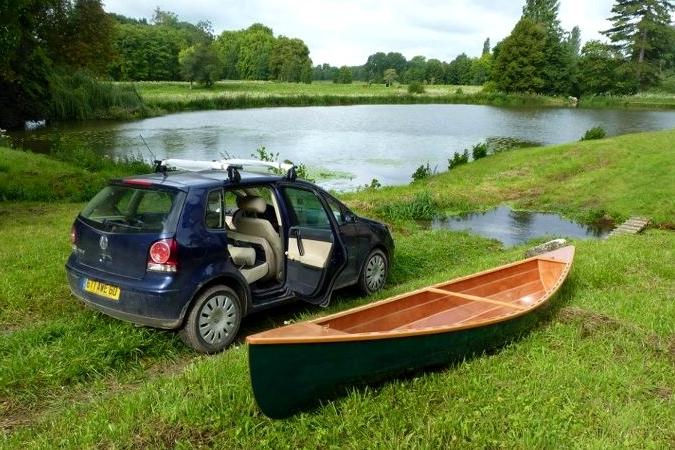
column 79, row 96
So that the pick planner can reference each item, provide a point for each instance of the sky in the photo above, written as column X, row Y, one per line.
column 346, row 32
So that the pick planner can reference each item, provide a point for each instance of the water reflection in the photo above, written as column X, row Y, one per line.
column 516, row 227
column 387, row 142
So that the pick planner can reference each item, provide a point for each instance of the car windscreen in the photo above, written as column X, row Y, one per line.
column 131, row 209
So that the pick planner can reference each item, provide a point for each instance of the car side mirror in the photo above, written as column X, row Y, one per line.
column 349, row 217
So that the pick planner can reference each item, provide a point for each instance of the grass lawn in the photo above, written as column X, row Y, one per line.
column 598, row 373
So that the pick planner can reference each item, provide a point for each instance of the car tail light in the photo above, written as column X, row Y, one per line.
column 162, row 256
column 73, row 237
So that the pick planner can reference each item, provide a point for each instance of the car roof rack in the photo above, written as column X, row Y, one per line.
column 232, row 166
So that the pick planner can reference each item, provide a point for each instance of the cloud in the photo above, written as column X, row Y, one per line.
column 346, row 32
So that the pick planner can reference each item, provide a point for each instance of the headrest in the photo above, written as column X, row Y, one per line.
column 253, row 204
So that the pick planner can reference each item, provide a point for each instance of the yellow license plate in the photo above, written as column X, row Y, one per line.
column 102, row 289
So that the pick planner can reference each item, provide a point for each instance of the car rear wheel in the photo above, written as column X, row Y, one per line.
column 374, row 272
column 213, row 321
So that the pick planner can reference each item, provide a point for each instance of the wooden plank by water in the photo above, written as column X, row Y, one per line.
column 633, row 225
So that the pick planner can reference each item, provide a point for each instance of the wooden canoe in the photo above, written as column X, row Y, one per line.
column 295, row 366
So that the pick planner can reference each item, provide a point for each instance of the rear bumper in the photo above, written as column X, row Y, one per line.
column 155, row 308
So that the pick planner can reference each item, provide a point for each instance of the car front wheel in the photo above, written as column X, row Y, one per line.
column 213, row 321
column 374, row 272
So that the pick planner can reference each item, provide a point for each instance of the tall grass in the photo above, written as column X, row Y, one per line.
column 79, row 96
column 423, row 206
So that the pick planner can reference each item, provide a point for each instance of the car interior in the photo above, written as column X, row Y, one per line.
column 253, row 221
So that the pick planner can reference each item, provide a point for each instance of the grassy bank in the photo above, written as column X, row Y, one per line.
column 608, row 179
column 646, row 100
column 78, row 176
column 598, row 373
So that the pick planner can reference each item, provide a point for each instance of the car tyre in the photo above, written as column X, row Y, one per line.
column 374, row 272
column 213, row 321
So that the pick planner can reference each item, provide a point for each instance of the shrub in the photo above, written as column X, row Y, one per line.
column 374, row 184
column 422, row 172
column 416, row 88
column 459, row 91
column 458, row 159
column 479, row 150
column 594, row 133
column 490, row 87
column 263, row 154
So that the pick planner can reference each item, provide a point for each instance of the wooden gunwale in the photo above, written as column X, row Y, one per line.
column 328, row 334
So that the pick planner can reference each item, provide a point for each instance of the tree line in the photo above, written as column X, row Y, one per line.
column 170, row 49
column 539, row 56
column 393, row 66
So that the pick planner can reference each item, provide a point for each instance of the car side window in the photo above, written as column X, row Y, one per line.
column 337, row 210
column 305, row 208
column 214, row 210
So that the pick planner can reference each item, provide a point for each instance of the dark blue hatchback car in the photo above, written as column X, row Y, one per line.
column 197, row 251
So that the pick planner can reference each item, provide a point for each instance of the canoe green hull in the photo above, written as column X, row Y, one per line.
column 288, row 378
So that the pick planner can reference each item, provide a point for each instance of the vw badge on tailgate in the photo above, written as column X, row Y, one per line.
column 103, row 243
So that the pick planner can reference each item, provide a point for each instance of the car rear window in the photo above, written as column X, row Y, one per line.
column 127, row 209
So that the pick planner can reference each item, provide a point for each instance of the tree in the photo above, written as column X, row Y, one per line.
column 486, row 47
column 481, row 69
column 28, row 31
column 459, row 70
column 200, row 63
column 573, row 41
column 255, row 51
column 416, row 69
column 521, row 59
column 325, row 72
column 543, row 11
column 88, row 37
column 435, row 72
column 146, row 52
column 602, row 71
column 228, row 46
column 640, row 31
column 558, row 71
column 343, row 75
column 390, row 76
column 375, row 67
column 289, row 60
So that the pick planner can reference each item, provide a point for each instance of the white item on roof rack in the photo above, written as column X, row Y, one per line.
column 222, row 164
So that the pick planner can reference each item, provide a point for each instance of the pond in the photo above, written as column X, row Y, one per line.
column 347, row 146
column 517, row 227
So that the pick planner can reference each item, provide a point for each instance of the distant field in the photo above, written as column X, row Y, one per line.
column 160, row 90
column 172, row 96
column 178, row 96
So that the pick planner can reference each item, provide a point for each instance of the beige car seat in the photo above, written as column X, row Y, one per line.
column 248, row 224
column 244, row 258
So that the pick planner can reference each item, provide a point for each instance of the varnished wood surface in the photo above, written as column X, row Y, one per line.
column 488, row 297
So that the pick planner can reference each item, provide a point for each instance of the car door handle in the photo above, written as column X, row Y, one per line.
column 298, row 238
